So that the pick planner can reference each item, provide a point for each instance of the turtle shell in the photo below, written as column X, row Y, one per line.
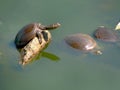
column 81, row 41
column 26, row 34
column 106, row 34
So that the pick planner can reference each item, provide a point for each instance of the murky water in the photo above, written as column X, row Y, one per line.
column 74, row 70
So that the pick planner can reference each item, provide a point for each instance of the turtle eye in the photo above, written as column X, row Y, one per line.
column 45, row 35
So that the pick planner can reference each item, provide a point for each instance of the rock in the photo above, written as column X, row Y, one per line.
column 32, row 49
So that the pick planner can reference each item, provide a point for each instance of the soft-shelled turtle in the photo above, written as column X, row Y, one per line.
column 28, row 32
column 106, row 34
column 83, row 42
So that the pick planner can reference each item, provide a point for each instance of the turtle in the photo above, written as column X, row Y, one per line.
column 106, row 34
column 82, row 42
column 28, row 32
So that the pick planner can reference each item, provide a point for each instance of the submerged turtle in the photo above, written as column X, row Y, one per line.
column 27, row 33
column 106, row 34
column 83, row 42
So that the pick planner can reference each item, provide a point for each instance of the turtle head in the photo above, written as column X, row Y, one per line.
column 49, row 27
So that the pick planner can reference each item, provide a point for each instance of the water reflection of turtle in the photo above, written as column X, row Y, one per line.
column 83, row 42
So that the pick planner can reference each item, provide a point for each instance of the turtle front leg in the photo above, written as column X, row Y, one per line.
column 38, row 34
column 45, row 35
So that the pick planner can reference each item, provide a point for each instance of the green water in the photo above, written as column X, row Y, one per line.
column 74, row 70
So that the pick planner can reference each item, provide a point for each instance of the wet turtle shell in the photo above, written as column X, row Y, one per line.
column 26, row 34
column 82, row 42
column 106, row 34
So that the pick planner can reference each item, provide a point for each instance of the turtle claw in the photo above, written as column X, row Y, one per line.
column 38, row 34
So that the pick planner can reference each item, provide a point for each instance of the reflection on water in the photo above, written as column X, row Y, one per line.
column 50, row 56
column 47, row 55
column 40, row 56
column 74, row 71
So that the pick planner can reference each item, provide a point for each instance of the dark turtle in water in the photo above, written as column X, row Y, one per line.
column 107, row 35
column 83, row 42
column 28, row 32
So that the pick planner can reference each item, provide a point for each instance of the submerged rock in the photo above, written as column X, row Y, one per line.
column 32, row 49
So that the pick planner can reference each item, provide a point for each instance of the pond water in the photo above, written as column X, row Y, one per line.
column 74, row 70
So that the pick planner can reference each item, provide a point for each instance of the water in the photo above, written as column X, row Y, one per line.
column 74, row 70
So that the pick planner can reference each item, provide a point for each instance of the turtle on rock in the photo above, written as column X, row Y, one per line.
column 32, row 39
column 30, row 31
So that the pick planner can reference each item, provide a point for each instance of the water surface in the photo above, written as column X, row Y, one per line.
column 74, row 70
